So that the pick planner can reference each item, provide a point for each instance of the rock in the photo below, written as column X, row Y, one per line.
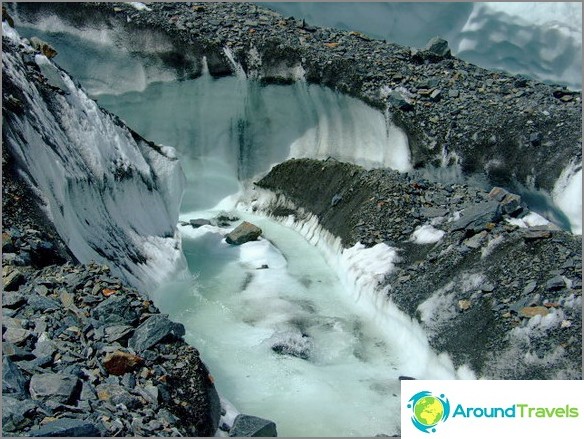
column 12, row 278
column 116, row 394
column 44, row 304
column 475, row 241
column 54, row 387
column 252, row 426
column 534, row 235
column 464, row 304
column 291, row 343
column 336, row 200
column 555, row 283
column 119, row 363
column 396, row 100
column 13, row 380
column 436, row 95
column 43, row 47
column 196, row 223
column 66, row 427
column 531, row 311
column 438, row 47
column 403, row 377
column 476, row 217
column 16, row 413
column 15, row 353
column 116, row 310
column 243, row 233
column 155, row 329
column 117, row 332
column 12, row 300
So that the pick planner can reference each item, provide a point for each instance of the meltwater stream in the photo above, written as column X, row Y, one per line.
column 281, row 336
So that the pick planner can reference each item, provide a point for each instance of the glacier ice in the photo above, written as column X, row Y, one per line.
column 112, row 196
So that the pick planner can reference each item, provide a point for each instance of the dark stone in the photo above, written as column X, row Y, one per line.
column 243, row 233
column 154, row 330
column 40, row 303
column 12, row 300
column 16, row 413
column 403, row 377
column 196, row 223
column 15, row 353
column 438, row 46
column 396, row 100
column 13, row 380
column 116, row 309
column 555, row 283
column 477, row 217
column 66, row 427
column 54, row 387
column 535, row 139
column 252, row 426
column 294, row 344
column 116, row 394
column 336, row 199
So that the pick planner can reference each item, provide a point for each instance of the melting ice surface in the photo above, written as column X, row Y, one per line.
column 228, row 130
column 336, row 373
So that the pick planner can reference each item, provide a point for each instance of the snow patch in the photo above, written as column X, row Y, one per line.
column 140, row 6
column 427, row 235
column 567, row 194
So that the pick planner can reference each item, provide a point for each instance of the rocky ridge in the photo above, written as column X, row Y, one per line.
column 451, row 111
column 494, row 294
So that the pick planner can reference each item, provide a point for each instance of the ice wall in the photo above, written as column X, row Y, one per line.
column 230, row 129
column 112, row 196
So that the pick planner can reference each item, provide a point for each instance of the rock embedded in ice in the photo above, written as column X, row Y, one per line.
column 199, row 222
column 252, row 426
column 294, row 344
column 243, row 233
column 43, row 47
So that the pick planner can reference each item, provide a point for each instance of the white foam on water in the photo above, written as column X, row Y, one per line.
column 567, row 194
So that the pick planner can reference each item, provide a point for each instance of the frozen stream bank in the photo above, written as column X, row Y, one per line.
column 288, row 342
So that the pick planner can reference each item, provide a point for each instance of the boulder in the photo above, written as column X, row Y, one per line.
column 196, row 223
column 438, row 47
column 54, row 387
column 66, row 427
column 16, row 413
column 119, row 363
column 43, row 47
column 243, row 233
column 155, row 329
column 116, row 394
column 252, row 426
column 116, row 310
column 294, row 344
column 475, row 218
column 13, row 381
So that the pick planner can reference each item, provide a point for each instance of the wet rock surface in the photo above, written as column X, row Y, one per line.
column 503, row 299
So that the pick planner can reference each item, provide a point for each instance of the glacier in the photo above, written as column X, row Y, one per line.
column 542, row 40
column 112, row 196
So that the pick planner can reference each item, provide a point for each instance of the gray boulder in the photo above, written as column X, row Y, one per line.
column 116, row 310
column 13, row 381
column 243, row 233
column 154, row 330
column 438, row 47
column 252, row 426
column 66, row 427
column 475, row 218
column 54, row 387
column 15, row 413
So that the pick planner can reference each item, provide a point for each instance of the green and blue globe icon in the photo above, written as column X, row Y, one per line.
column 428, row 410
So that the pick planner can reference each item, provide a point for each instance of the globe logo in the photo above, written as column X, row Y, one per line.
column 428, row 410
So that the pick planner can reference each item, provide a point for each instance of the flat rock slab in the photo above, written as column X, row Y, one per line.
column 252, row 426
column 116, row 310
column 66, row 427
column 154, row 330
column 243, row 233
column 53, row 386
